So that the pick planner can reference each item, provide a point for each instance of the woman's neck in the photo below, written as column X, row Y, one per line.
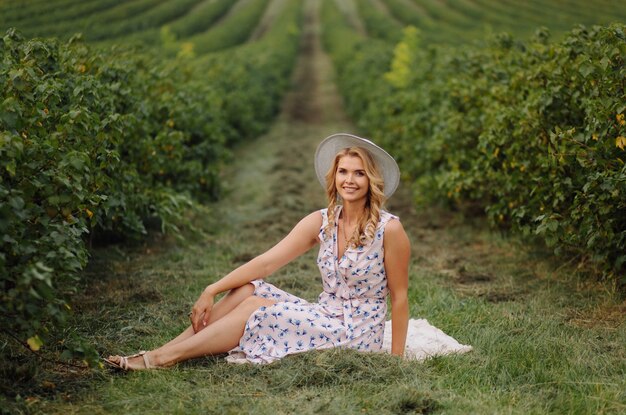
column 351, row 212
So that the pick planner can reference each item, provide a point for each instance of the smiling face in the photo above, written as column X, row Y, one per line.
column 351, row 180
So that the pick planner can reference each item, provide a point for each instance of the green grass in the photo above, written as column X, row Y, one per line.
column 543, row 342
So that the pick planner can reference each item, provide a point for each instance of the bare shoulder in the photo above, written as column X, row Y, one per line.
column 309, row 226
column 394, row 228
column 395, row 236
column 313, row 219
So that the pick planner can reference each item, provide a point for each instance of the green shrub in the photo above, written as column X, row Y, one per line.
column 95, row 141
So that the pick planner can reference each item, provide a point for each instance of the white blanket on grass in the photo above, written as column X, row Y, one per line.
column 424, row 340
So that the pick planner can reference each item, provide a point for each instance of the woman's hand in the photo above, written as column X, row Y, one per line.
column 201, row 311
column 301, row 238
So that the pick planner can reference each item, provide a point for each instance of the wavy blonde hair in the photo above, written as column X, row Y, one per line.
column 366, row 226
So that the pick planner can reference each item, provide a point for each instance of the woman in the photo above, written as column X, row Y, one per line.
column 257, row 322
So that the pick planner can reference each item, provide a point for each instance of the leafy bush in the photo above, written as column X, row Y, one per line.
column 234, row 29
column 67, row 166
column 94, row 140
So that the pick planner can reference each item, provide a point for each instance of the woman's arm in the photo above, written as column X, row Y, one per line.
column 397, row 254
column 301, row 238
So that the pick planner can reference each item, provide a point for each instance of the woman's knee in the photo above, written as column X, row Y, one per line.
column 242, row 292
column 253, row 303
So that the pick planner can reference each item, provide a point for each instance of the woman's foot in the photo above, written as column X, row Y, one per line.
column 139, row 361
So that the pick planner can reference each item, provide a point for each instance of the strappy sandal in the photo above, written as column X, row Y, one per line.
column 123, row 364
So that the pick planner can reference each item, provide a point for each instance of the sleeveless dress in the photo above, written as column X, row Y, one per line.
column 349, row 313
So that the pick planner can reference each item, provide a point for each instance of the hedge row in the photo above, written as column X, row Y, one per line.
column 532, row 133
column 66, row 21
column 38, row 13
column 233, row 30
column 95, row 141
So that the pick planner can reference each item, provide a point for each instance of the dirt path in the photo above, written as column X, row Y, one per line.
column 271, row 185
column 272, row 182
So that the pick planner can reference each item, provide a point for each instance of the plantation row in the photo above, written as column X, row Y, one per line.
column 440, row 21
column 146, row 21
column 532, row 133
column 99, row 142
column 193, row 26
column 462, row 21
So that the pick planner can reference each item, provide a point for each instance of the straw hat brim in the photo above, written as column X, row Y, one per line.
column 330, row 146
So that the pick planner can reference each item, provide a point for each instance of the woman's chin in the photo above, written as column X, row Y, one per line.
column 352, row 198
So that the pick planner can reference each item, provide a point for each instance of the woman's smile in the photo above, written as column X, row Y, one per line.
column 351, row 180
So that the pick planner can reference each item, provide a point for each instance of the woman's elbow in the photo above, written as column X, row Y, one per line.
column 263, row 265
column 399, row 298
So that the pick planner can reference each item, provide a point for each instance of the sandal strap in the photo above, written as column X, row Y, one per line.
column 124, row 360
column 146, row 361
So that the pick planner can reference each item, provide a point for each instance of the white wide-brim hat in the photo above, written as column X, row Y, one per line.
column 330, row 146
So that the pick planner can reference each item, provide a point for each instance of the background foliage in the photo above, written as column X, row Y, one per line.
column 105, row 142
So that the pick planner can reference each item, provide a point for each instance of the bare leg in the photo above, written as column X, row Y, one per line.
column 219, row 337
column 220, row 309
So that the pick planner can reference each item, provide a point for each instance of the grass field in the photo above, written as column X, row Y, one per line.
column 545, row 339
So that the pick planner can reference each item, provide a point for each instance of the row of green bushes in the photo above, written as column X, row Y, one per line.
column 254, row 86
column 462, row 21
column 379, row 25
column 95, row 141
column 150, row 18
column 200, row 19
column 66, row 21
column 235, row 29
column 36, row 13
column 106, row 20
column 532, row 133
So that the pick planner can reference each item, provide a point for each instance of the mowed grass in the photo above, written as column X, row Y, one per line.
column 542, row 343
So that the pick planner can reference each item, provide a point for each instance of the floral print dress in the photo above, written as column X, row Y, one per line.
column 349, row 313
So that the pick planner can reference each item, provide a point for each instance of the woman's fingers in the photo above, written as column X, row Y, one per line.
column 200, row 313
column 200, row 319
column 192, row 319
column 196, row 315
column 197, row 321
